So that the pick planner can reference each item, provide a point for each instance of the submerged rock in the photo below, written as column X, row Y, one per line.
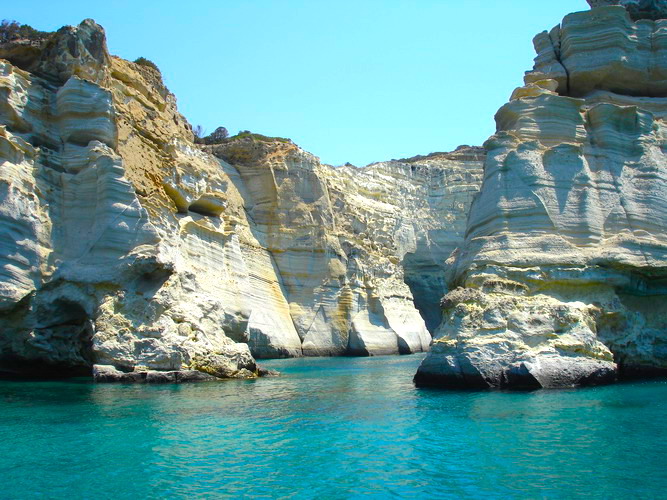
column 109, row 374
column 266, row 372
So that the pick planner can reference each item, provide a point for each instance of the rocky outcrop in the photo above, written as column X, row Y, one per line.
column 345, row 241
column 432, row 194
column 107, row 374
column 638, row 9
column 93, row 267
column 561, row 279
column 125, row 245
column 601, row 49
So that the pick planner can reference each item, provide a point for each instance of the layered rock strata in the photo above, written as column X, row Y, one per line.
column 441, row 189
column 638, row 9
column 345, row 241
column 126, row 246
column 562, row 277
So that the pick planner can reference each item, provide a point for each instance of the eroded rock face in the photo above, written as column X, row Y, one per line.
column 434, row 197
column 638, row 9
column 562, row 274
column 601, row 49
column 98, row 267
column 126, row 246
column 345, row 241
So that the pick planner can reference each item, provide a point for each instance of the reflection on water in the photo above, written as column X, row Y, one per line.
column 333, row 428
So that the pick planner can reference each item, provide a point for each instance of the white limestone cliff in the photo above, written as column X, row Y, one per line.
column 561, row 279
column 126, row 246
column 343, row 239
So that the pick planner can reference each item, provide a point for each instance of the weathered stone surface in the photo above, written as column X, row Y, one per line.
column 72, row 51
column 233, row 361
column 266, row 372
column 564, row 265
column 96, row 266
column 638, row 9
column 345, row 241
column 107, row 374
column 124, row 244
column 603, row 49
column 500, row 339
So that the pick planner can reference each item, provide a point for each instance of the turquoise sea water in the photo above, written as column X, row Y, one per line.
column 330, row 428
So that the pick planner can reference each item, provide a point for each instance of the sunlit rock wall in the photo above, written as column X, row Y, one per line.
column 432, row 194
column 127, row 246
column 93, row 262
column 562, row 277
column 349, row 244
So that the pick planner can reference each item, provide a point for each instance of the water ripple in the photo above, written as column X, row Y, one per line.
column 330, row 428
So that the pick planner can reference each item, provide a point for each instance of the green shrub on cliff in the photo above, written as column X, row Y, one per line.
column 11, row 31
column 258, row 137
column 217, row 137
column 142, row 61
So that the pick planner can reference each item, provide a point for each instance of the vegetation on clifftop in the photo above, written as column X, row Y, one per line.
column 142, row 61
column 11, row 31
column 257, row 137
column 243, row 148
column 221, row 136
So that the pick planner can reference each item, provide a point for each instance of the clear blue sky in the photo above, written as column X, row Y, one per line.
column 348, row 80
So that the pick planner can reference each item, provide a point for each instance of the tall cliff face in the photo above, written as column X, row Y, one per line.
column 439, row 189
column 124, row 244
column 94, row 266
column 345, row 241
column 563, row 271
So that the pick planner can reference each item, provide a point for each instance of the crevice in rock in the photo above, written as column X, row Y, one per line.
column 58, row 345
column 17, row 368
column 428, row 286
column 150, row 282
column 207, row 206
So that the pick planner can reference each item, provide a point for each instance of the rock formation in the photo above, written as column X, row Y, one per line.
column 638, row 9
column 562, row 278
column 128, row 247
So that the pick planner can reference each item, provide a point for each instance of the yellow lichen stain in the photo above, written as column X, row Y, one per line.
column 343, row 313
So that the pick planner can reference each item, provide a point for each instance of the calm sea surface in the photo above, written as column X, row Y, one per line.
column 330, row 428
